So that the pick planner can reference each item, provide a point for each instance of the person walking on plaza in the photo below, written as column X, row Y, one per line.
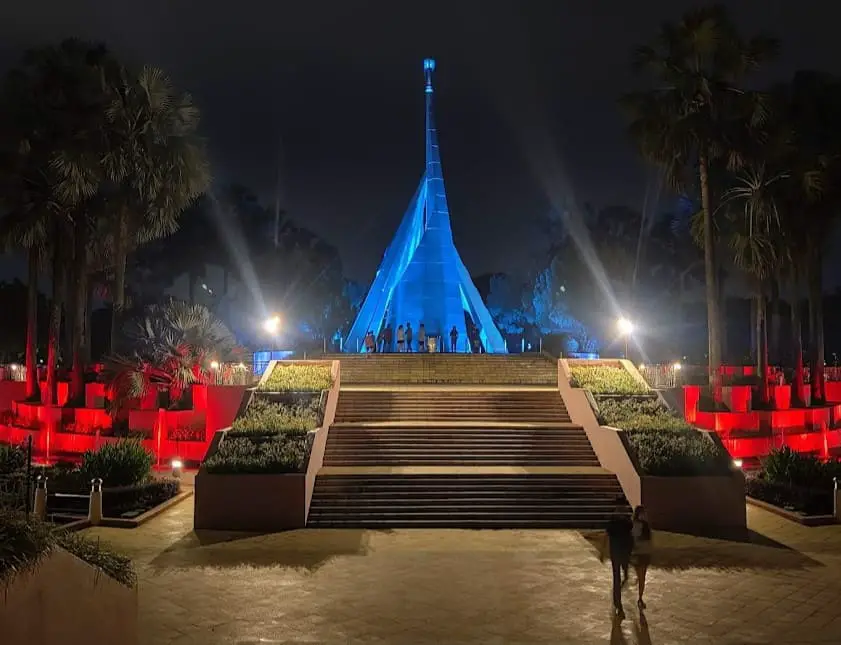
column 401, row 338
column 387, row 338
column 370, row 344
column 618, row 541
column 454, row 340
column 641, row 533
column 408, row 337
column 421, row 338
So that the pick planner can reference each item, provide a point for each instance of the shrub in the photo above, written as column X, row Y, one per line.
column 603, row 379
column 808, row 501
column 638, row 413
column 12, row 458
column 241, row 455
column 25, row 541
column 116, row 501
column 266, row 418
column 683, row 453
column 123, row 463
column 297, row 377
column 785, row 466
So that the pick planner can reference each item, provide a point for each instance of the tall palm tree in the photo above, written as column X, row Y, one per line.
column 54, row 103
column 154, row 165
column 685, row 124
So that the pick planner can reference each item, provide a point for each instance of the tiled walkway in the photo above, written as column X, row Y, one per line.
column 488, row 587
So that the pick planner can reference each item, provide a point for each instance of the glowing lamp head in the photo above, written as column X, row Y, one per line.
column 625, row 326
column 737, row 463
column 677, row 366
column 428, row 64
column 272, row 325
column 177, row 466
column 214, row 365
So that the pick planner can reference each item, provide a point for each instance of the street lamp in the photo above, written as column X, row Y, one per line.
column 272, row 325
column 626, row 328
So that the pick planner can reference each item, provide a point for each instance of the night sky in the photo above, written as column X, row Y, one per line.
column 525, row 100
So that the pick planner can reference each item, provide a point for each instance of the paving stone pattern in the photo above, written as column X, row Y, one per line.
column 489, row 587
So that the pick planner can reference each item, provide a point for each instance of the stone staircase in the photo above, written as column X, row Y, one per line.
column 461, row 407
column 452, row 369
column 482, row 500
column 469, row 456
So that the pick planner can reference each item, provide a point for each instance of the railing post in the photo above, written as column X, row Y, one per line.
column 95, row 504
column 41, row 497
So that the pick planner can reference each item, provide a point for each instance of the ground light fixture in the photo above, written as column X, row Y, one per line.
column 737, row 463
column 214, row 365
column 677, row 366
column 177, row 466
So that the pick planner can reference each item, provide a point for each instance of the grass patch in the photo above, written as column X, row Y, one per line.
column 297, row 377
column 266, row 418
column 604, row 379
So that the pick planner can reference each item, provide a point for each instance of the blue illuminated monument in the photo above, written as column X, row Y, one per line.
column 422, row 278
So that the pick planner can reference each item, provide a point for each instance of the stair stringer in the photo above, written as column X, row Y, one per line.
column 605, row 440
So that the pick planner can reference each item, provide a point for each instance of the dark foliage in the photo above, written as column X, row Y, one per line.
column 808, row 501
column 123, row 463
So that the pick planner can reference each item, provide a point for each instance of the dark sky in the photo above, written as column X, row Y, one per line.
column 525, row 99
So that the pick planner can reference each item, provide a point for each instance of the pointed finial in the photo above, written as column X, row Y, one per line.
column 428, row 68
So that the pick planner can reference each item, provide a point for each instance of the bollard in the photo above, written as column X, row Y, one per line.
column 95, row 507
column 41, row 497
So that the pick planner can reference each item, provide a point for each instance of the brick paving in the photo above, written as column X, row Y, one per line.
column 489, row 587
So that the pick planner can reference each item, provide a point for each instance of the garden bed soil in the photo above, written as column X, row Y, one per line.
column 264, row 502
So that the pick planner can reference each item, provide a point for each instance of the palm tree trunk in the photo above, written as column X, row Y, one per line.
column 762, row 333
column 191, row 287
column 87, row 345
column 711, row 278
column 118, row 298
column 33, row 392
column 797, row 349
column 54, row 337
column 816, row 314
column 754, row 326
column 76, row 309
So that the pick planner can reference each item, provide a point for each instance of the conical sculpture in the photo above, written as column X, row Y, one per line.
column 421, row 278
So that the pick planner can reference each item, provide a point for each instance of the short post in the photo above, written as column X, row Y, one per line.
column 41, row 497
column 540, row 345
column 95, row 506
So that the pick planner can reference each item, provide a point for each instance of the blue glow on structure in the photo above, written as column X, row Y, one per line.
column 421, row 278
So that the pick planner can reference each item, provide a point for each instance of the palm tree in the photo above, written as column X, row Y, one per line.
column 685, row 125
column 172, row 347
column 53, row 103
column 154, row 164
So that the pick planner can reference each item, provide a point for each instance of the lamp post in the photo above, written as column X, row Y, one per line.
column 626, row 328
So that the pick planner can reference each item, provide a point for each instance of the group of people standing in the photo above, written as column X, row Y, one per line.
column 627, row 539
column 405, row 340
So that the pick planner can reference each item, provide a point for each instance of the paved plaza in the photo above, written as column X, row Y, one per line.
column 450, row 586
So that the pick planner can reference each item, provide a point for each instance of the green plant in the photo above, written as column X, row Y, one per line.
column 297, row 377
column 24, row 542
column 241, row 455
column 682, row 453
column 266, row 418
column 808, row 501
column 12, row 458
column 123, row 463
column 638, row 413
column 604, row 379
column 785, row 466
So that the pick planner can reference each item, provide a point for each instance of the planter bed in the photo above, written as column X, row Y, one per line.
column 121, row 502
column 808, row 506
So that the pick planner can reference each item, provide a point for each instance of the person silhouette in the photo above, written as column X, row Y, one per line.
column 409, row 337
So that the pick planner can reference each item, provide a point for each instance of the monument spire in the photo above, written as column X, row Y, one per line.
column 421, row 278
